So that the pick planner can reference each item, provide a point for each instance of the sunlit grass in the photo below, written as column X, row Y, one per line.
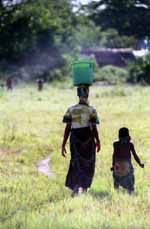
column 31, row 128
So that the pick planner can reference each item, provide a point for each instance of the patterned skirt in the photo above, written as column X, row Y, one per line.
column 123, row 174
column 82, row 163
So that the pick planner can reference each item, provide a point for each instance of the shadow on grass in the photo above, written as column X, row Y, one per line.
column 100, row 195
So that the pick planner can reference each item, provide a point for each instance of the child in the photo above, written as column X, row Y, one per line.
column 81, row 120
column 123, row 172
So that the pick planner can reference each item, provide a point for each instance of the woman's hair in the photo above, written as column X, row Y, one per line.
column 83, row 91
column 123, row 133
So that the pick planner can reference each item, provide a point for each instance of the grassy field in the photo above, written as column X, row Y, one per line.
column 31, row 129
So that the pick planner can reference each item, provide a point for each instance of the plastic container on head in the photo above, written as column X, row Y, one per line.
column 82, row 73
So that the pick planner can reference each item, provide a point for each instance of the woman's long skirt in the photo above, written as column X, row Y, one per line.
column 82, row 163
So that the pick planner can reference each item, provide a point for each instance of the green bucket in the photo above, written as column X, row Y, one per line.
column 82, row 73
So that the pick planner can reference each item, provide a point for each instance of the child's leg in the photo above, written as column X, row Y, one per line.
column 131, row 184
column 116, row 183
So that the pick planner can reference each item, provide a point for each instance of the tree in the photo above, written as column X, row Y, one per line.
column 129, row 17
column 31, row 25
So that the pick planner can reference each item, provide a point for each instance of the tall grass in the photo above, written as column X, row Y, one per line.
column 31, row 128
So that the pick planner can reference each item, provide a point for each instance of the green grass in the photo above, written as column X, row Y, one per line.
column 31, row 128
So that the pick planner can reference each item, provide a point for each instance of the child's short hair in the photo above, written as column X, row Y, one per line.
column 123, row 132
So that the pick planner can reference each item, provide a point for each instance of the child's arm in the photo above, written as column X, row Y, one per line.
column 96, row 136
column 136, row 156
column 66, row 135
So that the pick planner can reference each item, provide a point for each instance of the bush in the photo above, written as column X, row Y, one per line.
column 139, row 70
column 111, row 74
column 110, row 38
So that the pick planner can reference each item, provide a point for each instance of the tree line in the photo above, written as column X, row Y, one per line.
column 31, row 27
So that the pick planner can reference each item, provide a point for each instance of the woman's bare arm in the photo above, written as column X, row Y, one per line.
column 96, row 136
column 65, row 138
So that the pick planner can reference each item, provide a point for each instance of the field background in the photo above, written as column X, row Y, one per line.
column 31, row 129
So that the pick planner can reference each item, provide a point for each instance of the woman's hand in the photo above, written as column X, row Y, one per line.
column 63, row 151
column 141, row 165
column 66, row 135
column 98, row 146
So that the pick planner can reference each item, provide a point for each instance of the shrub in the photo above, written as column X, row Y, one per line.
column 110, row 38
column 139, row 70
column 111, row 74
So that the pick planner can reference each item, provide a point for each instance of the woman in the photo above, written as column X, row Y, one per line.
column 81, row 120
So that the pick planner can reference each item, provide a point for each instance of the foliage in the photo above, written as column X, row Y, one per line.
column 33, row 25
column 128, row 17
column 111, row 74
column 32, row 36
column 86, row 35
column 41, row 38
column 110, row 38
column 139, row 70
